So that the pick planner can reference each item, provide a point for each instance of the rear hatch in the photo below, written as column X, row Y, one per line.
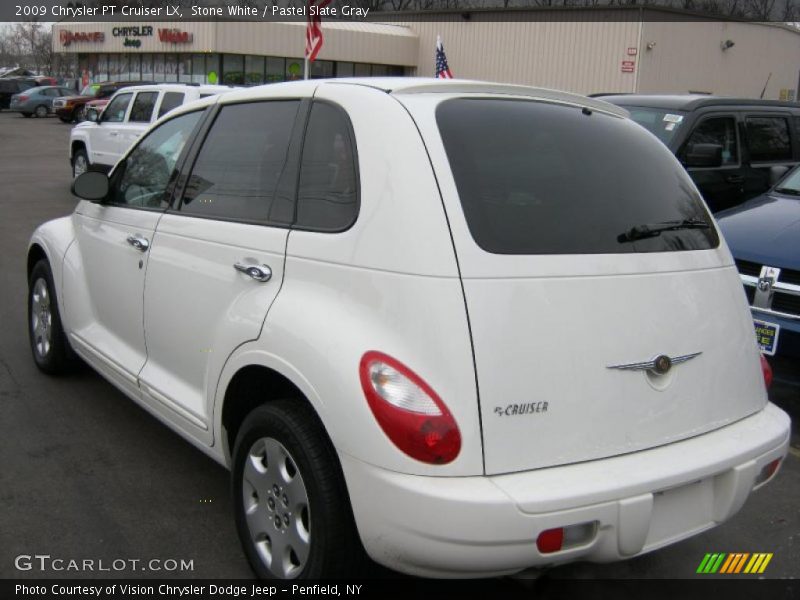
column 585, row 250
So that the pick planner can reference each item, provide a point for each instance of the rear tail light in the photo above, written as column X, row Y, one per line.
column 22, row 98
column 767, row 371
column 410, row 413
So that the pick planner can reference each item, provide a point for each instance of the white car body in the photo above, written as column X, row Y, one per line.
column 105, row 142
column 643, row 460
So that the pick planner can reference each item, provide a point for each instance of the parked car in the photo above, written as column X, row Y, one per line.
column 71, row 108
column 728, row 145
column 99, row 142
column 9, row 87
column 764, row 237
column 36, row 101
column 311, row 281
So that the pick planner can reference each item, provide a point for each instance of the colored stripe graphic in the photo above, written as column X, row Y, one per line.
column 734, row 562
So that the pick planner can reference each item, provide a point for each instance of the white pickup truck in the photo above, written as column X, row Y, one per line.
column 101, row 142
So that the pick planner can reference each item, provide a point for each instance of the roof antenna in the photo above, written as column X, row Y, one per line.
column 761, row 97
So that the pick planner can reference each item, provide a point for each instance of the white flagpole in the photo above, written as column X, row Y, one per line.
column 305, row 67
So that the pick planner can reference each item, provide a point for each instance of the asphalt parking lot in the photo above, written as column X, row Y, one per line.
column 86, row 474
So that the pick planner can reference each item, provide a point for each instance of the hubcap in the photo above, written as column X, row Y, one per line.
column 41, row 318
column 41, row 111
column 79, row 166
column 276, row 508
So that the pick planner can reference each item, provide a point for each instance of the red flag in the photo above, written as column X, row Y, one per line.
column 314, row 28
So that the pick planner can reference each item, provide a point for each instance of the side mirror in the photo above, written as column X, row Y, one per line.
column 91, row 185
column 91, row 115
column 703, row 155
column 776, row 173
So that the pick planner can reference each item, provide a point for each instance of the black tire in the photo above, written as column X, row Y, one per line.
column 80, row 155
column 65, row 119
column 333, row 548
column 56, row 357
column 41, row 111
column 75, row 115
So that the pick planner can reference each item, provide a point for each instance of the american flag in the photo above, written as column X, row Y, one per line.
column 314, row 29
column 442, row 70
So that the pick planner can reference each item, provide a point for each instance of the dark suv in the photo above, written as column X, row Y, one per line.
column 733, row 148
column 9, row 87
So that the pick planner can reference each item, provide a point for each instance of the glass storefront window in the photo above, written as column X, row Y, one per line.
column 101, row 72
column 185, row 68
column 294, row 69
column 134, row 67
column 380, row 70
column 345, row 69
column 158, row 67
column 199, row 68
column 212, row 69
column 233, row 69
column 147, row 67
column 253, row 70
column 171, row 68
column 276, row 69
column 362, row 70
column 320, row 68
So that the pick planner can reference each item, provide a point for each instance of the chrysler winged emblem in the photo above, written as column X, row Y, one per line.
column 660, row 365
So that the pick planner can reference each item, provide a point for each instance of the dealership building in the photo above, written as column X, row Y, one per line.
column 636, row 50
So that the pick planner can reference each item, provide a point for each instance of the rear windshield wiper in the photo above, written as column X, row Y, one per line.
column 649, row 230
column 789, row 191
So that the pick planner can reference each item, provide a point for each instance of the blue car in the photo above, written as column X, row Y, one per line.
column 37, row 100
column 764, row 237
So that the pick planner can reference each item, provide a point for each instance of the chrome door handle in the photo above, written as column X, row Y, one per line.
column 139, row 242
column 260, row 273
column 113, row 133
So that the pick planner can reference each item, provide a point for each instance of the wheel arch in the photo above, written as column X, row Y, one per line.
column 76, row 145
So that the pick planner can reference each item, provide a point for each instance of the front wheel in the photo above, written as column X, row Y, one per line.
column 293, row 514
column 51, row 350
column 41, row 111
column 80, row 162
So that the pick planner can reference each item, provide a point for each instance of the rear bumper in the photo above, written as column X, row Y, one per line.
column 487, row 526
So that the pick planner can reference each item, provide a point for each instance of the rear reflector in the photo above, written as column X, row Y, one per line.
column 550, row 540
column 564, row 538
column 767, row 371
column 767, row 472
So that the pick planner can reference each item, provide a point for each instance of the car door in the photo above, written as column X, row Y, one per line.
column 138, row 119
column 217, row 260
column 104, row 300
column 722, row 186
column 105, row 141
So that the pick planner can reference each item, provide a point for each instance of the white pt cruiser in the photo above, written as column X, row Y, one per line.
column 462, row 329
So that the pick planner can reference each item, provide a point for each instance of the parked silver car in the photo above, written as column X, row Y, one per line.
column 37, row 101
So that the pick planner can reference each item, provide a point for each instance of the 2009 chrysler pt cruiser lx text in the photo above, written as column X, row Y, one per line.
column 462, row 329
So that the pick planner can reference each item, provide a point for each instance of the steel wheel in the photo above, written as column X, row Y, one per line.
column 41, row 318
column 276, row 508
column 80, row 164
column 41, row 111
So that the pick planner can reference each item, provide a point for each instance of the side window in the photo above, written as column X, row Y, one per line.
column 115, row 111
column 768, row 138
column 327, row 196
column 239, row 166
column 717, row 130
column 51, row 92
column 143, row 105
column 143, row 177
column 171, row 100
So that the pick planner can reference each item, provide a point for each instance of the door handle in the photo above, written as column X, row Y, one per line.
column 260, row 273
column 734, row 179
column 139, row 242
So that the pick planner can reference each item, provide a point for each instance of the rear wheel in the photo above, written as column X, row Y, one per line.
column 51, row 350
column 80, row 162
column 293, row 515
column 41, row 111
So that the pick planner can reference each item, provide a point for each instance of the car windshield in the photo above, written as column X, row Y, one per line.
column 540, row 178
column 90, row 90
column 662, row 123
column 791, row 184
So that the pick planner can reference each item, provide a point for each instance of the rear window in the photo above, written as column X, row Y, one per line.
column 171, row 100
column 541, row 178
